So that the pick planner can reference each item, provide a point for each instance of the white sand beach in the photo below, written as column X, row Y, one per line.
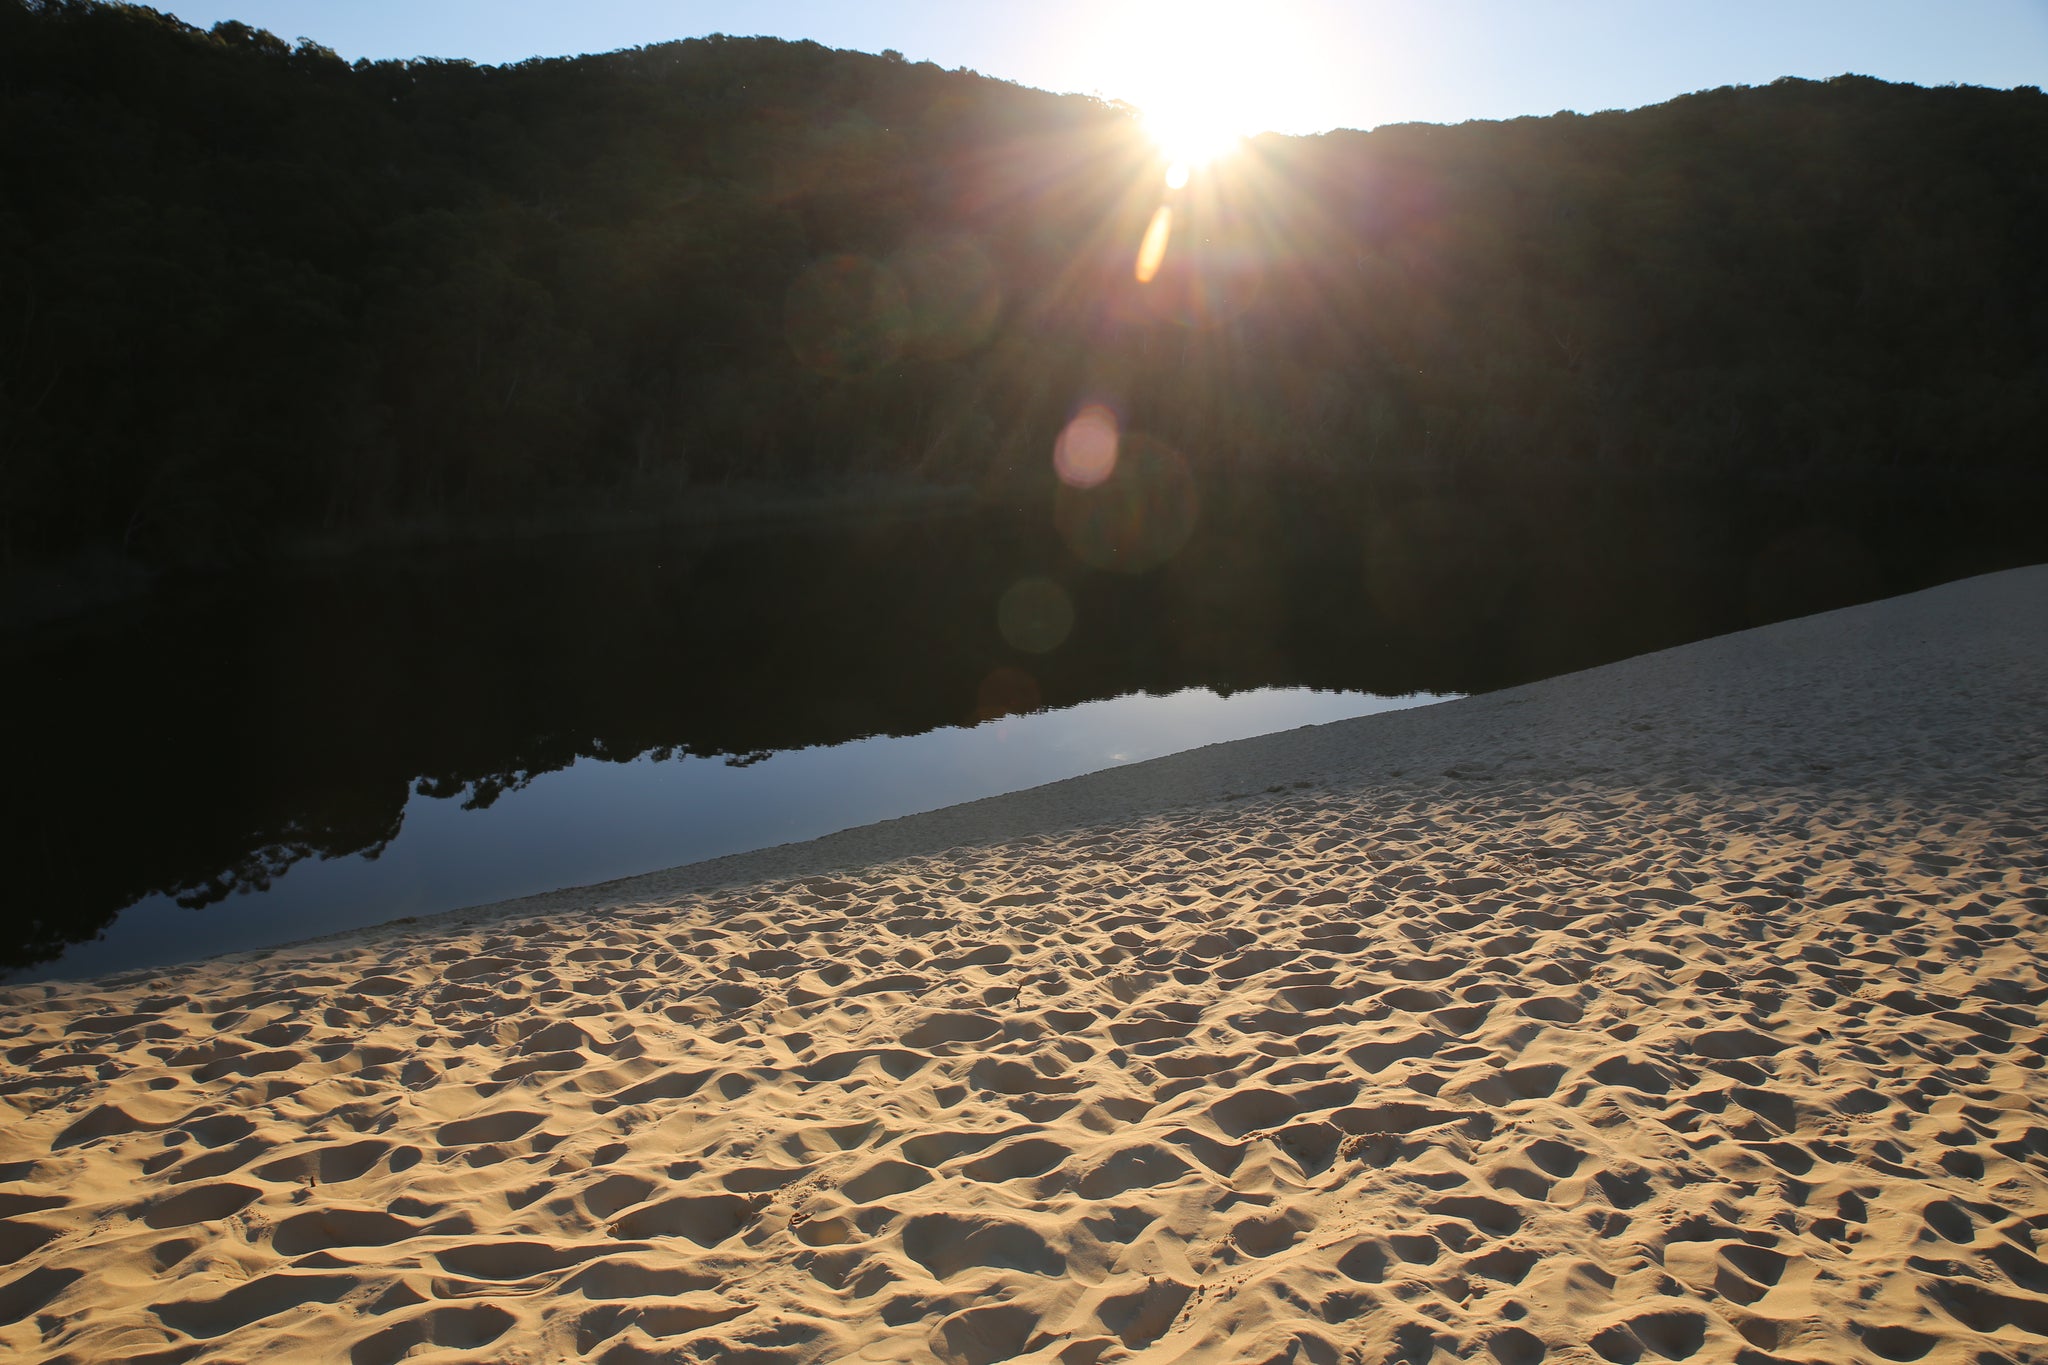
column 1684, row 1009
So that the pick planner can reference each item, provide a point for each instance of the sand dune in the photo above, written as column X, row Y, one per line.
column 1688, row 1009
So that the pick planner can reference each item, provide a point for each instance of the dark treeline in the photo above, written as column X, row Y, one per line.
column 251, row 295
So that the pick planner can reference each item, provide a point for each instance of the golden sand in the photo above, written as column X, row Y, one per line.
column 1686, row 1009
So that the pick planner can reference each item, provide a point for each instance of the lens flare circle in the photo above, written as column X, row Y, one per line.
column 846, row 316
column 1085, row 453
column 1035, row 615
column 1006, row 691
column 1138, row 518
column 953, row 296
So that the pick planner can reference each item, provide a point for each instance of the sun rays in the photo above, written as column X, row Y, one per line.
column 1206, row 75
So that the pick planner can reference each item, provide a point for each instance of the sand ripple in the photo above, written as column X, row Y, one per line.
column 1553, row 1065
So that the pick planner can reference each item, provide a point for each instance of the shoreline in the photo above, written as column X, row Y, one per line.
column 1673, row 1008
column 1389, row 748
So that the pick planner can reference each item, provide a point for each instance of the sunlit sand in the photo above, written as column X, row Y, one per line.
column 1675, row 1010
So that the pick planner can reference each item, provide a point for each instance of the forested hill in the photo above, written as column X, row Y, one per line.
column 250, row 293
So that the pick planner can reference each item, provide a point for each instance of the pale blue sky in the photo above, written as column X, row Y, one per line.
column 1292, row 65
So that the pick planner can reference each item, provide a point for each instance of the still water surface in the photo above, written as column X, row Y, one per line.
column 597, row 820
column 259, row 758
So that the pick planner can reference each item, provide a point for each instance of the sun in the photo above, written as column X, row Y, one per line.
column 1205, row 74
column 1190, row 136
column 1192, row 129
column 1196, row 102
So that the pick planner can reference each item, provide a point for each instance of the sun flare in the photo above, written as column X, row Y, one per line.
column 1205, row 75
column 1190, row 138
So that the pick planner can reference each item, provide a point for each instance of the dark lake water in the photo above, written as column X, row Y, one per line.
column 596, row 820
column 249, row 760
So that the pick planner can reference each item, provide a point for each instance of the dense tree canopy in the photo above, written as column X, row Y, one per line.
column 250, row 293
